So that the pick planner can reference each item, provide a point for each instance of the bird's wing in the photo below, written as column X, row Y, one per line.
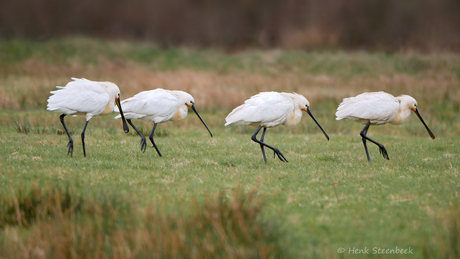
column 377, row 107
column 267, row 108
column 159, row 105
column 79, row 96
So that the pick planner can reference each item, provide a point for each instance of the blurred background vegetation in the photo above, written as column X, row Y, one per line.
column 384, row 25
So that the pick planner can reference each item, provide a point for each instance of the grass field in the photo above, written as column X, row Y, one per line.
column 215, row 197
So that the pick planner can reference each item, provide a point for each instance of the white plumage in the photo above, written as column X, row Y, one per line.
column 158, row 106
column 84, row 97
column 270, row 109
column 378, row 108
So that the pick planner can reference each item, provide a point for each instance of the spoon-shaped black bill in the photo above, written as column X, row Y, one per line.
column 311, row 115
column 428, row 129
column 193, row 108
column 125, row 125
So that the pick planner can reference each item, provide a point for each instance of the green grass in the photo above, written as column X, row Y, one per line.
column 326, row 197
column 215, row 197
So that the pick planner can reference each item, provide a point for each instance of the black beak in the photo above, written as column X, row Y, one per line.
column 424, row 124
column 311, row 115
column 125, row 126
column 193, row 108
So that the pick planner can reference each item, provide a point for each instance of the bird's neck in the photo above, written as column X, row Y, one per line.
column 402, row 116
column 293, row 118
column 108, row 108
column 180, row 114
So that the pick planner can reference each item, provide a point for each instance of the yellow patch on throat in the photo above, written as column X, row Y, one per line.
column 292, row 119
column 108, row 109
column 177, row 115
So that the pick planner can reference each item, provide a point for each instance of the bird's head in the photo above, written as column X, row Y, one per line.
column 114, row 94
column 304, row 105
column 301, row 102
column 407, row 101
column 190, row 103
column 112, row 89
column 184, row 98
column 188, row 100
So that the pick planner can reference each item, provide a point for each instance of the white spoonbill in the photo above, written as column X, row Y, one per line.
column 84, row 97
column 377, row 108
column 159, row 106
column 268, row 110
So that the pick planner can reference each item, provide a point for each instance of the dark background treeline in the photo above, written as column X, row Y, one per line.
column 387, row 25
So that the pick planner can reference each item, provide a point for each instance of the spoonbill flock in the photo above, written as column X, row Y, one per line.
column 264, row 110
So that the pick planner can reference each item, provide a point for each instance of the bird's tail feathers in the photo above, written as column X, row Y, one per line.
column 78, row 79
column 129, row 115
column 237, row 116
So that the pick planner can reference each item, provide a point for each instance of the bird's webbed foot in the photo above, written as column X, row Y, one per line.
column 70, row 145
column 279, row 154
column 143, row 144
column 383, row 151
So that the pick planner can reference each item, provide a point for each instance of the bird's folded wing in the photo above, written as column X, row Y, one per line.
column 267, row 107
column 149, row 103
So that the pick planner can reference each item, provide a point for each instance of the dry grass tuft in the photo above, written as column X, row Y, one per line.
column 446, row 242
column 62, row 224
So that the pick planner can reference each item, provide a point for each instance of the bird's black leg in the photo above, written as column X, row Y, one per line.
column 70, row 144
column 364, row 137
column 262, row 146
column 143, row 141
column 83, row 138
column 151, row 139
column 280, row 155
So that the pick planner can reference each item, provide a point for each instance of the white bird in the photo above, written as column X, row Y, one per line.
column 84, row 97
column 158, row 106
column 268, row 110
column 378, row 108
